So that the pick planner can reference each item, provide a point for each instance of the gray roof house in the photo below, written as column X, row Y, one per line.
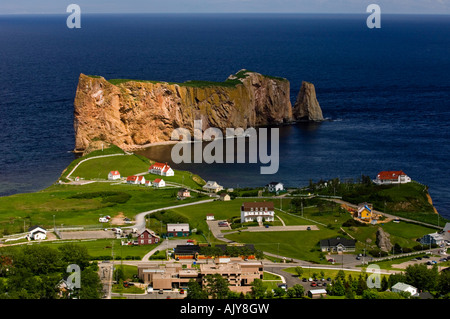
column 337, row 244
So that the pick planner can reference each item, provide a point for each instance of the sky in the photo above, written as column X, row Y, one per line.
column 225, row 6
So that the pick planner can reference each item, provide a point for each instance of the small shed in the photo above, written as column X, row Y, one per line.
column 317, row 293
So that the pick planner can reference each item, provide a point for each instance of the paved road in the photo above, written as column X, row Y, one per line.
column 140, row 218
column 167, row 244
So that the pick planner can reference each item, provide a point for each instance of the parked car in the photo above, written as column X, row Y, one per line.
column 328, row 279
column 308, row 228
column 161, row 291
column 313, row 284
column 181, row 291
column 304, row 279
column 425, row 256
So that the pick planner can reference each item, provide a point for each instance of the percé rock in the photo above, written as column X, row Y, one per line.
column 307, row 107
column 133, row 114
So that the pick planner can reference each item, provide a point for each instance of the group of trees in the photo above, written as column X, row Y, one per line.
column 37, row 271
column 419, row 276
column 217, row 287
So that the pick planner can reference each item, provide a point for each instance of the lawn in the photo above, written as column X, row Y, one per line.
column 67, row 205
column 98, row 168
column 302, row 245
column 404, row 234
column 127, row 165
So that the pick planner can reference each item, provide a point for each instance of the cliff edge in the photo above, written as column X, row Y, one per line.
column 133, row 114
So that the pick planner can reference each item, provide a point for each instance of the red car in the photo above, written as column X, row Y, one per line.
column 313, row 284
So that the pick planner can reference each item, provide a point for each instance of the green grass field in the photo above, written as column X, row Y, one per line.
column 302, row 245
column 40, row 207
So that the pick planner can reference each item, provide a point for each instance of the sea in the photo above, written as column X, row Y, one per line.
column 384, row 92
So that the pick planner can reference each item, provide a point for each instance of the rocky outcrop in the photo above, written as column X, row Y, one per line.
column 133, row 114
column 383, row 240
column 307, row 107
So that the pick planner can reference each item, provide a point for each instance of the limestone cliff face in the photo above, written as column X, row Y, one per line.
column 307, row 107
column 134, row 114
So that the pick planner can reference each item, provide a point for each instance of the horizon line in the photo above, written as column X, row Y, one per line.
column 225, row 13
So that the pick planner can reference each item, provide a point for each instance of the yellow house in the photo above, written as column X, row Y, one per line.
column 365, row 211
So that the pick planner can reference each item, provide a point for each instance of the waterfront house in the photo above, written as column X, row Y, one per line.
column 212, row 186
column 257, row 211
column 136, row 180
column 113, row 175
column 275, row 187
column 37, row 233
column 148, row 237
column 161, row 169
column 337, row 244
column 178, row 230
column 392, row 177
column 159, row 182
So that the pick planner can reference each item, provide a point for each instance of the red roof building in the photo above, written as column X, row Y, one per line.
column 392, row 177
column 161, row 169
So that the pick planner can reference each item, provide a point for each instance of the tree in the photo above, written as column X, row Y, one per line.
column 299, row 291
column 217, row 286
column 195, row 291
column 279, row 292
column 299, row 271
column 421, row 277
column 443, row 285
column 91, row 286
column 119, row 274
column 337, row 288
column 258, row 289
column 75, row 254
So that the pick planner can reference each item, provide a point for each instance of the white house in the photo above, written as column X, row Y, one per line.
column 212, row 186
column 137, row 180
column 392, row 177
column 37, row 233
column 402, row 287
column 434, row 238
column 210, row 217
column 159, row 182
column 274, row 187
column 113, row 175
column 161, row 169
column 257, row 211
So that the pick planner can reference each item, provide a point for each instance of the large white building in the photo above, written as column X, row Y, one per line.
column 161, row 169
column 392, row 177
column 257, row 211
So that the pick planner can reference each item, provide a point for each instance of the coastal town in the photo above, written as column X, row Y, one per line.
column 270, row 241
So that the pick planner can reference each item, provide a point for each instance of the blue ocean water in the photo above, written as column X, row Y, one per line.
column 386, row 91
